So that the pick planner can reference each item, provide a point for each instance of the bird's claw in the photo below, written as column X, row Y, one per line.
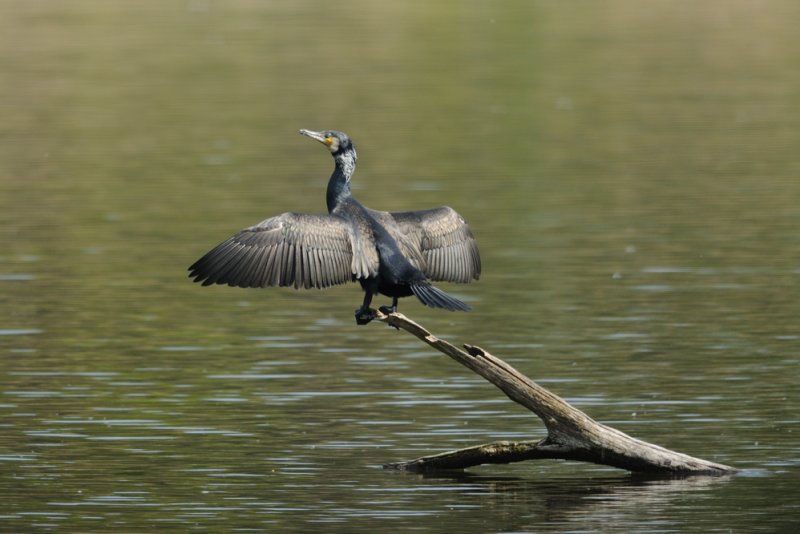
column 364, row 316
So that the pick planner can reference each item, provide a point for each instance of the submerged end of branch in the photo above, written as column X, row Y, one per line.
column 500, row 452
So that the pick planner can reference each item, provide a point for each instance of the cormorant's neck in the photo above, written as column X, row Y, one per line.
column 339, row 184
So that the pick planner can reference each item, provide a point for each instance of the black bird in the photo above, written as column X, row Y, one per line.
column 396, row 254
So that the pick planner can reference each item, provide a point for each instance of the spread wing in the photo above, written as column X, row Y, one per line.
column 446, row 243
column 292, row 249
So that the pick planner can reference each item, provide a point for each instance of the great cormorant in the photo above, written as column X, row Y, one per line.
column 396, row 254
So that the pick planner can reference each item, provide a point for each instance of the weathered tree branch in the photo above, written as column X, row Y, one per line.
column 572, row 435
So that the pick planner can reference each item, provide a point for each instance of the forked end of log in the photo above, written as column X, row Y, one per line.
column 572, row 435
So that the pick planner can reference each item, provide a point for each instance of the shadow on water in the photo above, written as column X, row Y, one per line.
column 560, row 498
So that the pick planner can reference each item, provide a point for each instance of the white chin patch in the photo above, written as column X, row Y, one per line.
column 334, row 146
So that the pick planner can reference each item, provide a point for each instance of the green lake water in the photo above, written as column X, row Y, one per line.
column 630, row 170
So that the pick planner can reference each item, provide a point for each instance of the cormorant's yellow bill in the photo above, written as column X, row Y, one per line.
column 326, row 138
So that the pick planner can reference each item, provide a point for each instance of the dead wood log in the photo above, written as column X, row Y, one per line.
column 572, row 435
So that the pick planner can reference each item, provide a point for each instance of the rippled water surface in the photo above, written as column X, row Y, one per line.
column 629, row 169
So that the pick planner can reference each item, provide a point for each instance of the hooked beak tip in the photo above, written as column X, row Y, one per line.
column 313, row 135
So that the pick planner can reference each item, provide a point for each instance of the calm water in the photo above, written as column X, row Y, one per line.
column 630, row 170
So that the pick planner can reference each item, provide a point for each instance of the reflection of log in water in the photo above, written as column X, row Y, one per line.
column 572, row 435
column 580, row 504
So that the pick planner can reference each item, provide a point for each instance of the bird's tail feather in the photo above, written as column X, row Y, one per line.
column 434, row 297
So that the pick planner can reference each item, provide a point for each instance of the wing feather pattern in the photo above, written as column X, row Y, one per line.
column 446, row 242
column 292, row 249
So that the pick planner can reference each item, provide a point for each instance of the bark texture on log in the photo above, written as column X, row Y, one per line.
column 571, row 434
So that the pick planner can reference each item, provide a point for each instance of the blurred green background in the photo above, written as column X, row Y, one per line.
column 630, row 171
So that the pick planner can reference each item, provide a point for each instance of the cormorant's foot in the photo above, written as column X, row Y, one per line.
column 364, row 316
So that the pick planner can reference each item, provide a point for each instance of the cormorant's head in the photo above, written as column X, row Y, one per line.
column 337, row 142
